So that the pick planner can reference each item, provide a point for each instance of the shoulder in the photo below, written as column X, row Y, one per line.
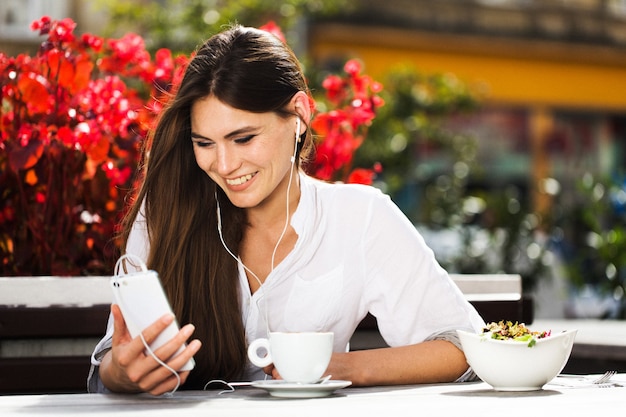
column 350, row 203
column 341, row 192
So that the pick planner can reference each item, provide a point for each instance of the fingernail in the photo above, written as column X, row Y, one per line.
column 167, row 318
column 188, row 330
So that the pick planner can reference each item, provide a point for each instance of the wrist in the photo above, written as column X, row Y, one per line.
column 112, row 380
column 348, row 366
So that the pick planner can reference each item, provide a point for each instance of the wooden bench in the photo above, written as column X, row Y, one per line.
column 49, row 326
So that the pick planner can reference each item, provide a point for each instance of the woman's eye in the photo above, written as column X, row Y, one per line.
column 244, row 139
column 202, row 144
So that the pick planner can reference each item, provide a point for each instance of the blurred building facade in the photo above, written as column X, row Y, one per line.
column 554, row 70
column 17, row 15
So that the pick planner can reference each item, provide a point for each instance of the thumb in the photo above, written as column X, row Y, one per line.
column 120, row 330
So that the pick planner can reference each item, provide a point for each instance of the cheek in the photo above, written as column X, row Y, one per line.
column 201, row 159
column 205, row 161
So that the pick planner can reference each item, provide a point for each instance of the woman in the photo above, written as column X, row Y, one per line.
column 244, row 242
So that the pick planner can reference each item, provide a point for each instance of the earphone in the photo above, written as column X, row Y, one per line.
column 297, row 129
column 297, row 140
column 219, row 223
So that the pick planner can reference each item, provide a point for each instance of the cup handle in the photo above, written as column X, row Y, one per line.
column 253, row 352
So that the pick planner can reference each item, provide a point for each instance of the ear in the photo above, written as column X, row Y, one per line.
column 302, row 106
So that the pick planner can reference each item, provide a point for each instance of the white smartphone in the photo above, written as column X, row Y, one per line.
column 142, row 300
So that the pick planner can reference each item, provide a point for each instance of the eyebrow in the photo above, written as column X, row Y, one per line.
column 230, row 135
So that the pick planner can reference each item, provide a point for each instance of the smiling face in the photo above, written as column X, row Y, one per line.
column 247, row 154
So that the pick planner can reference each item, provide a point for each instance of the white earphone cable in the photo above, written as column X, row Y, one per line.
column 280, row 238
column 163, row 364
column 293, row 162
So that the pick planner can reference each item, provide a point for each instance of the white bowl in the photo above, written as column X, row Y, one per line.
column 509, row 365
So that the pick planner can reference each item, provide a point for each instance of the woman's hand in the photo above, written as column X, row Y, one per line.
column 271, row 371
column 127, row 368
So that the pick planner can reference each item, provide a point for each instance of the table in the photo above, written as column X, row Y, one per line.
column 416, row 400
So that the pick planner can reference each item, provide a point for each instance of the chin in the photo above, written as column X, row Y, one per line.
column 243, row 203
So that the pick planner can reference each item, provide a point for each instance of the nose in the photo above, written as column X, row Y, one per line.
column 226, row 160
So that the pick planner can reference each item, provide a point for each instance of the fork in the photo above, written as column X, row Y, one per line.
column 604, row 378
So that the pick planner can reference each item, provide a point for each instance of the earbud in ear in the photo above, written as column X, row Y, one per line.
column 297, row 140
column 297, row 130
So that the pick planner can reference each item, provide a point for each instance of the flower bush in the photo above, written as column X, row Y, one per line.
column 353, row 100
column 72, row 122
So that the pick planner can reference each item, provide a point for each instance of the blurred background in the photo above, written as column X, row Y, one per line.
column 503, row 136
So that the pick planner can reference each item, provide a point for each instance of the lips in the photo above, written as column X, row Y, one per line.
column 241, row 180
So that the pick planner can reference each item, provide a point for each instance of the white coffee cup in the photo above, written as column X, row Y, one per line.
column 299, row 357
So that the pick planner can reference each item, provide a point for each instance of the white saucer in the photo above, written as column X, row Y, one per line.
column 284, row 389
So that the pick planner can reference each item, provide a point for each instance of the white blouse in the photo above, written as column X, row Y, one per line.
column 356, row 253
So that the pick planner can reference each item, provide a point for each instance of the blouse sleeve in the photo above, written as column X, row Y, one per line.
column 94, row 384
column 410, row 294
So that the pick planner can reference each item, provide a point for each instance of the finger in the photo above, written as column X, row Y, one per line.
column 268, row 369
column 161, row 374
column 158, row 382
column 168, row 354
column 272, row 371
column 150, row 333
column 168, row 385
column 177, row 361
column 186, row 355
column 120, row 331
column 169, row 349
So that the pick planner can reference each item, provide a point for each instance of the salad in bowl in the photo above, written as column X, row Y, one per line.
column 511, row 357
column 514, row 331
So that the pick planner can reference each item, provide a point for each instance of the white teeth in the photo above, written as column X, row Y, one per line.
column 240, row 180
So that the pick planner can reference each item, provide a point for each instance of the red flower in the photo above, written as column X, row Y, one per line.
column 127, row 56
column 93, row 42
column 274, row 29
column 62, row 31
column 354, row 98
column 42, row 25
column 117, row 176
column 335, row 88
column 164, row 65
column 66, row 136
column 352, row 67
column 362, row 176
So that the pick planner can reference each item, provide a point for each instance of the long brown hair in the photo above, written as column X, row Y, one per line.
column 251, row 70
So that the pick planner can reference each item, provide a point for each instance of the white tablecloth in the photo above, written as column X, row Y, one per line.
column 468, row 399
